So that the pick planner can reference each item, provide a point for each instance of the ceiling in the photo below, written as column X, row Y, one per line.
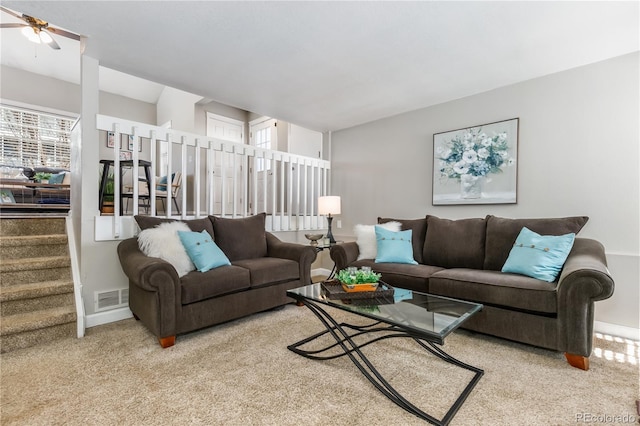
column 325, row 65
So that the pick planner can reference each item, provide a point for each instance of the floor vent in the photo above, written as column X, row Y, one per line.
column 110, row 299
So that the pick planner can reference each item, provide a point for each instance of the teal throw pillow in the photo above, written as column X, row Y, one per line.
column 394, row 247
column 539, row 256
column 202, row 251
column 57, row 178
column 161, row 184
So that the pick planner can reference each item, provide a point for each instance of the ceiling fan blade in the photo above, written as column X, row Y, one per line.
column 63, row 33
column 16, row 25
column 11, row 12
column 53, row 44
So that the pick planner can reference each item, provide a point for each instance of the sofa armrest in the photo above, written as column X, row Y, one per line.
column 303, row 254
column 154, row 288
column 344, row 254
column 583, row 280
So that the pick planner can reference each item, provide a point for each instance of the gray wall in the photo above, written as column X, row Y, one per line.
column 35, row 89
column 578, row 155
column 220, row 109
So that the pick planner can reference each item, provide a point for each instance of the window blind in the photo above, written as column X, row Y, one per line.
column 31, row 138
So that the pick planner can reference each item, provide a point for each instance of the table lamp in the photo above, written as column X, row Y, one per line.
column 329, row 205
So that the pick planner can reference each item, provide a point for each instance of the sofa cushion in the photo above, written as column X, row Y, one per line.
column 496, row 289
column 394, row 247
column 269, row 270
column 539, row 256
column 196, row 225
column 455, row 243
column 366, row 238
column 57, row 178
column 412, row 277
column 502, row 233
column 418, row 229
column 197, row 286
column 202, row 251
column 243, row 238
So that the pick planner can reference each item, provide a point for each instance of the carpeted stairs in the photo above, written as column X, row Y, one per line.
column 36, row 287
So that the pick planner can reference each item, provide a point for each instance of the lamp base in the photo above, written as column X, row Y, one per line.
column 329, row 234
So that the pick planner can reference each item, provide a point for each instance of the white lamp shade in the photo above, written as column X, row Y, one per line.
column 329, row 204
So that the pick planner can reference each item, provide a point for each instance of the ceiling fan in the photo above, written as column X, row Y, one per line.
column 37, row 30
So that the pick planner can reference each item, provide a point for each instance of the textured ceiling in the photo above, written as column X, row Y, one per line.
column 332, row 65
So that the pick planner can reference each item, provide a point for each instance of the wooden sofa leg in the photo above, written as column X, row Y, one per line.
column 577, row 361
column 167, row 342
column 298, row 303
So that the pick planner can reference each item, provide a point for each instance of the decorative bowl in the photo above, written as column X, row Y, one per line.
column 313, row 238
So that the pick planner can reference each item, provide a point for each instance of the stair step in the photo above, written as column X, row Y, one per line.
column 43, row 318
column 20, row 240
column 35, row 290
column 13, row 265
column 32, row 226
column 22, row 298
column 24, row 271
column 38, row 336
column 31, row 246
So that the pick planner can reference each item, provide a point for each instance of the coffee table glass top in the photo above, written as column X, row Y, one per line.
column 433, row 317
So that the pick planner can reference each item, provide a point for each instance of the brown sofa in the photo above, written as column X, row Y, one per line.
column 262, row 269
column 463, row 259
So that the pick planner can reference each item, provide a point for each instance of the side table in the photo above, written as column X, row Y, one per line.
column 321, row 247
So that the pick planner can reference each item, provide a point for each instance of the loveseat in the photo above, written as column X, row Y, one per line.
column 262, row 269
column 463, row 259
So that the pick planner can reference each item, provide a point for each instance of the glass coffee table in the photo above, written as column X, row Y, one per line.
column 395, row 312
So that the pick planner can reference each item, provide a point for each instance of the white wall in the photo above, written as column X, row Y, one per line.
column 178, row 107
column 578, row 155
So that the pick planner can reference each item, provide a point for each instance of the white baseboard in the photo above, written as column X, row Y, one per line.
column 616, row 330
column 101, row 318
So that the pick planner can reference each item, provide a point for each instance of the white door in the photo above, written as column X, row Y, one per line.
column 228, row 177
column 263, row 135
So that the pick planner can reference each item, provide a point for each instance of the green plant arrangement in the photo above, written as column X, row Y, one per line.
column 358, row 277
column 109, row 190
column 108, row 187
column 40, row 176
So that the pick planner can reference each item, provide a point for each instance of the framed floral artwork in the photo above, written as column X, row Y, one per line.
column 476, row 165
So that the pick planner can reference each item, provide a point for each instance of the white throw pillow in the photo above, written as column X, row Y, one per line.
column 163, row 242
column 366, row 238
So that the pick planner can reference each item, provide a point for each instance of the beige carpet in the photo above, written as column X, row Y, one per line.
column 241, row 373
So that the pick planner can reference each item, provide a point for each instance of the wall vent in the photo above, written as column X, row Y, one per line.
column 111, row 299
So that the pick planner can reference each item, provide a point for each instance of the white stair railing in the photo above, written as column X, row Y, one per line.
column 219, row 177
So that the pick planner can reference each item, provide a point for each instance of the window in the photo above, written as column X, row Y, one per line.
column 31, row 138
column 263, row 136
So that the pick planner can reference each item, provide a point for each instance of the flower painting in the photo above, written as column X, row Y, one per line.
column 476, row 165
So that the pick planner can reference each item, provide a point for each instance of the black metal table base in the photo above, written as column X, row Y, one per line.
column 344, row 340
